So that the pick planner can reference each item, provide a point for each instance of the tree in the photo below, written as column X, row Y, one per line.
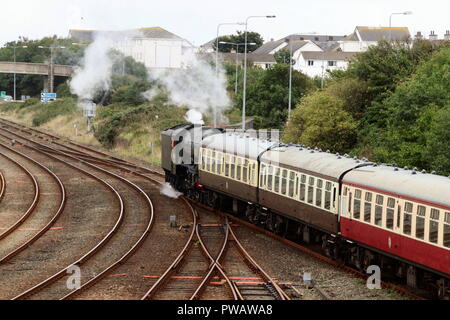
column 321, row 121
column 252, row 37
column 268, row 92
column 283, row 56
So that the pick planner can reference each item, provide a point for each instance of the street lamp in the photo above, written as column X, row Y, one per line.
column 290, row 77
column 217, row 57
column 16, row 68
column 51, row 62
column 390, row 18
column 245, row 66
column 237, row 53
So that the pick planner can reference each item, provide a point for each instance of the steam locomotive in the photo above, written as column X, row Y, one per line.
column 360, row 213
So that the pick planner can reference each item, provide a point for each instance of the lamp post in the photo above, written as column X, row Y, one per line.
column 217, row 57
column 390, row 20
column 237, row 53
column 15, row 68
column 245, row 66
column 290, row 77
column 51, row 63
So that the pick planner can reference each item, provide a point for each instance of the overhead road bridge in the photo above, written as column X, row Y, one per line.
column 49, row 71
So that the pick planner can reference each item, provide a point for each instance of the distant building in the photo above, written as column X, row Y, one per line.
column 364, row 37
column 316, row 63
column 155, row 47
column 263, row 61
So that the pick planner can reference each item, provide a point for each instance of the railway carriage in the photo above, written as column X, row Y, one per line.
column 359, row 212
column 403, row 213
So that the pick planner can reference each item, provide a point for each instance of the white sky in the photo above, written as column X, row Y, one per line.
column 196, row 20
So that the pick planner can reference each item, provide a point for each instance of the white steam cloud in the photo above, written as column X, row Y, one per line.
column 170, row 192
column 95, row 72
column 197, row 87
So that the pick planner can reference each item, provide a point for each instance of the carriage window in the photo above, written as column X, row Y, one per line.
column 227, row 165
column 263, row 175
column 232, row 167
column 213, row 162
column 390, row 213
column 276, row 186
column 345, row 191
column 434, row 226
column 310, row 194
column 219, row 163
column 420, row 222
column 328, row 195
column 303, row 178
column 302, row 191
column 238, row 168
column 245, row 171
column 318, row 197
column 252, row 175
column 447, row 230
column 270, row 178
column 311, row 181
column 356, row 208
column 283, row 181
column 420, row 227
column 378, row 209
column 208, row 163
column 319, row 183
column 367, row 206
column 406, row 223
column 408, row 207
column 291, row 184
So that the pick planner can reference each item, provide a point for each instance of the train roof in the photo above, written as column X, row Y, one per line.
column 312, row 161
column 238, row 144
column 407, row 183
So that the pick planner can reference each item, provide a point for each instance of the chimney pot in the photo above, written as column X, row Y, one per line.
column 447, row 35
column 433, row 36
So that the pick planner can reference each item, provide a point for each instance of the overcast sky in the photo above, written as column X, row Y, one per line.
column 196, row 20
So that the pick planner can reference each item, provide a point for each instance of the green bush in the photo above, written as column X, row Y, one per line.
column 48, row 111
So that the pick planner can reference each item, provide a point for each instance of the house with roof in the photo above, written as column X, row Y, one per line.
column 317, row 63
column 155, row 47
column 363, row 37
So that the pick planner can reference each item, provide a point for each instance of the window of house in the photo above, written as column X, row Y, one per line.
column 310, row 62
column 330, row 38
column 332, row 63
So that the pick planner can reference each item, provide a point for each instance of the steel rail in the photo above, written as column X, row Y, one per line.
column 215, row 264
column 52, row 220
column 33, row 204
column 171, row 269
column 91, row 252
column 2, row 185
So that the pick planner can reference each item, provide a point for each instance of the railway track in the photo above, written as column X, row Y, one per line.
column 215, row 265
column 2, row 185
column 57, row 276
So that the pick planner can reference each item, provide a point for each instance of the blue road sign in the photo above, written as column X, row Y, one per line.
column 49, row 95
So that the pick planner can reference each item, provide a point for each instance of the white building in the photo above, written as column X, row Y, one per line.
column 155, row 47
column 317, row 63
column 364, row 37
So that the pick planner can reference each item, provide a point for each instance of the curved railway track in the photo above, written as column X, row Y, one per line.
column 61, row 273
column 2, row 185
column 53, row 218
column 215, row 264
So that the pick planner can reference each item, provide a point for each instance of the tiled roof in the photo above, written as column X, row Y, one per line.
column 151, row 33
column 267, row 47
column 383, row 33
column 231, row 57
